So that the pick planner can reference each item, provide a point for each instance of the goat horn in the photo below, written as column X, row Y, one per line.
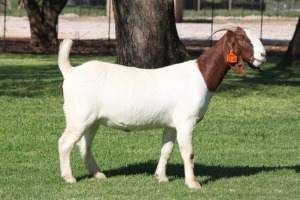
column 225, row 28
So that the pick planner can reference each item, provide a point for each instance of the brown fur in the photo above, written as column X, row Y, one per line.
column 213, row 64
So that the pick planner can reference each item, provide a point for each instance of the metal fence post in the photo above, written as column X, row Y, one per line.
column 4, row 27
column 262, row 18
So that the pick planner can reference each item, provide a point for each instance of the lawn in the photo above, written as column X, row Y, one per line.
column 247, row 146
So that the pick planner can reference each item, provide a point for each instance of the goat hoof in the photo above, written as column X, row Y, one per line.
column 100, row 175
column 69, row 179
column 194, row 185
column 161, row 179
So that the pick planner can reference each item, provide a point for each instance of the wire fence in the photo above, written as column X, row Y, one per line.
column 243, row 8
column 93, row 15
column 192, row 8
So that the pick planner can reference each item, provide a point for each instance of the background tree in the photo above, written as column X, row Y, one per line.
column 146, row 33
column 292, row 55
column 43, row 19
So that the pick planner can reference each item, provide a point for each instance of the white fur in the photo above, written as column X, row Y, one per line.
column 96, row 93
column 259, row 50
column 129, row 98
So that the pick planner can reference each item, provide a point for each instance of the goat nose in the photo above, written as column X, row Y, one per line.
column 263, row 54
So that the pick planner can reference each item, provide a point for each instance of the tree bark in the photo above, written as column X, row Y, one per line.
column 43, row 20
column 292, row 55
column 179, row 4
column 146, row 33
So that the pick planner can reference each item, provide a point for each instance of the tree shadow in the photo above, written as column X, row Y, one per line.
column 214, row 173
column 30, row 81
column 276, row 74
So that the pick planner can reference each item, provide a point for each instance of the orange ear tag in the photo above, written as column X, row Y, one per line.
column 231, row 57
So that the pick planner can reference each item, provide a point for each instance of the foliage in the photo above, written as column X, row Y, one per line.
column 247, row 146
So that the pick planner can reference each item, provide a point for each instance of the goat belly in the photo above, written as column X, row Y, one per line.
column 132, row 125
column 129, row 114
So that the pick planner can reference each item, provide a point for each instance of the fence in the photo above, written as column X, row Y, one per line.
column 242, row 8
column 92, row 15
column 192, row 8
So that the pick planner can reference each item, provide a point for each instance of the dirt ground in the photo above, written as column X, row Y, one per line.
column 97, row 35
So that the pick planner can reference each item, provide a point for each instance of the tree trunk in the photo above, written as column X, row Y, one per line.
column 43, row 20
column 146, row 33
column 35, row 22
column 292, row 55
column 179, row 4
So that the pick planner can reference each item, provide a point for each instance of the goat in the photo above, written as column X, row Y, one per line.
column 174, row 98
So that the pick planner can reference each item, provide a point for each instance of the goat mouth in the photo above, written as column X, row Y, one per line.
column 256, row 62
column 254, row 67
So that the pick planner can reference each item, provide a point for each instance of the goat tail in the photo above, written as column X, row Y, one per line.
column 63, row 57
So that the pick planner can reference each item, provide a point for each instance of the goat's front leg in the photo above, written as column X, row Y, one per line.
column 168, row 140
column 184, row 137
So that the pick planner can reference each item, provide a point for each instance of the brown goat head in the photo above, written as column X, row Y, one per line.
column 231, row 46
column 246, row 47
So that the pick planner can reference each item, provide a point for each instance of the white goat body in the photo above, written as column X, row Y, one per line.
column 174, row 98
column 129, row 98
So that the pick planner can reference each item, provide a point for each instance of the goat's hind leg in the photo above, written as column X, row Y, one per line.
column 168, row 140
column 85, row 148
column 66, row 143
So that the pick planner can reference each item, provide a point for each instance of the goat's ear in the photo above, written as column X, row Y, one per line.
column 231, row 47
column 238, row 67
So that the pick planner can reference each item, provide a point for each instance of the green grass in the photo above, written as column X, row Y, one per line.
column 247, row 147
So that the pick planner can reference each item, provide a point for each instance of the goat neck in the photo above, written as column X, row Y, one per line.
column 213, row 66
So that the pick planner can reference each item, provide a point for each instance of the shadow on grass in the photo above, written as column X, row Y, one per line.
column 26, row 80
column 274, row 74
column 213, row 172
column 30, row 81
